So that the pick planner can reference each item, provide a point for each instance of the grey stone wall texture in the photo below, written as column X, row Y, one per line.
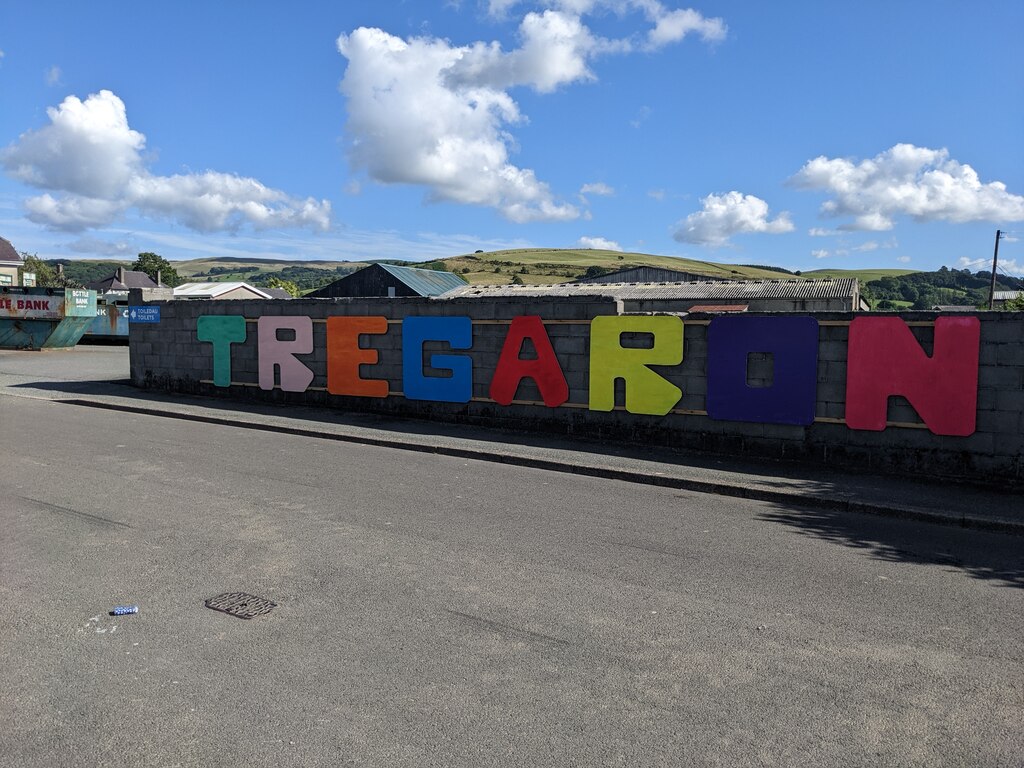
column 168, row 356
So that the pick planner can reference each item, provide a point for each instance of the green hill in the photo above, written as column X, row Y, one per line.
column 884, row 288
column 557, row 265
column 864, row 275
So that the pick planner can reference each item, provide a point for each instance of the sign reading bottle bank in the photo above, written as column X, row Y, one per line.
column 883, row 359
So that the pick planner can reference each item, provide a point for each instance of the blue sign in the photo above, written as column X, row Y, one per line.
column 143, row 314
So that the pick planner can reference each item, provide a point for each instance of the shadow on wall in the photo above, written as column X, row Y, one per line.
column 989, row 556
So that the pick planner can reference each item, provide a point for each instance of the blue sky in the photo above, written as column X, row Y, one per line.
column 806, row 135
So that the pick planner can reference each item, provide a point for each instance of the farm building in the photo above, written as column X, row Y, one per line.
column 390, row 281
column 225, row 290
column 828, row 295
column 999, row 298
column 645, row 274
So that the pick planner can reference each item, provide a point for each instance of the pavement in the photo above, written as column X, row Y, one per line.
column 97, row 377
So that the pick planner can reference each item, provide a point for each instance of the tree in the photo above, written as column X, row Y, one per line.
column 517, row 280
column 1015, row 305
column 46, row 276
column 288, row 285
column 151, row 263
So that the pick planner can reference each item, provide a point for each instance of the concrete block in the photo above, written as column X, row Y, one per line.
column 1009, row 377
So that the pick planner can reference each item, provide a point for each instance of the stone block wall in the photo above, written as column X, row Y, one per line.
column 169, row 356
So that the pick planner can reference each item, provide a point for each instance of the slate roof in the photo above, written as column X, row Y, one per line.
column 426, row 282
column 8, row 253
column 277, row 293
column 132, row 279
column 837, row 288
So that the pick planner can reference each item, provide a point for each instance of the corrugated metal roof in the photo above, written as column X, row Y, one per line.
column 1005, row 295
column 718, row 308
column 426, row 282
column 213, row 290
column 841, row 288
column 647, row 274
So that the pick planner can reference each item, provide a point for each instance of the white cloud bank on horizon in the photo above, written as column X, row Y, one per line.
column 423, row 111
column 599, row 244
column 90, row 156
column 723, row 216
column 924, row 184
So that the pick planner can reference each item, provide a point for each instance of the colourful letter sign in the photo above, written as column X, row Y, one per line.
column 544, row 369
column 295, row 376
column 646, row 391
column 344, row 356
column 222, row 331
column 458, row 332
column 885, row 359
column 793, row 345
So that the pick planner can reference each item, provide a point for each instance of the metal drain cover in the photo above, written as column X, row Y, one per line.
column 241, row 604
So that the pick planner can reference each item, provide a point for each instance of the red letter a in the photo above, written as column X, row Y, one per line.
column 885, row 359
column 512, row 369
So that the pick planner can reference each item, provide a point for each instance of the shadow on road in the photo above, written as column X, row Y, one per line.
column 981, row 555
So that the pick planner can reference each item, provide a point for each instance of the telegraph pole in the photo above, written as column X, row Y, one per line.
column 995, row 259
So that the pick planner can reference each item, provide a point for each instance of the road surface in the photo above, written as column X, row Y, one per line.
column 435, row 611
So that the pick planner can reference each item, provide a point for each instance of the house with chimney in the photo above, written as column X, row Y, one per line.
column 122, row 281
column 10, row 263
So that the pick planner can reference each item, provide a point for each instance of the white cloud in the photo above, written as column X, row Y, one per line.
column 453, row 136
column 96, row 246
column 641, row 117
column 819, row 232
column 91, row 157
column 499, row 8
column 599, row 243
column 820, row 254
column 597, row 188
column 922, row 183
column 672, row 26
column 726, row 215
column 53, row 75
column 1005, row 266
column 903, row 259
column 450, row 138
column 870, row 245
column 656, row 194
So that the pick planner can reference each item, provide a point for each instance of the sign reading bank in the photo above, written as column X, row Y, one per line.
column 883, row 359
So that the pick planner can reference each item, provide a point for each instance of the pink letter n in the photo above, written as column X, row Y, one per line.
column 885, row 359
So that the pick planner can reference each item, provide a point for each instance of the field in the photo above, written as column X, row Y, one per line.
column 538, row 266
column 246, row 269
column 864, row 275
column 556, row 265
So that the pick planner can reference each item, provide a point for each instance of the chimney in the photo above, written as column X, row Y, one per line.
column 120, row 275
column 159, row 284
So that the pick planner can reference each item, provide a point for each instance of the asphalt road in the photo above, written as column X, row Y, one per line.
column 434, row 611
